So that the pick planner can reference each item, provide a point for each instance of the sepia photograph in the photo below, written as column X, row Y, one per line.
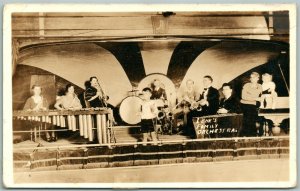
column 149, row 96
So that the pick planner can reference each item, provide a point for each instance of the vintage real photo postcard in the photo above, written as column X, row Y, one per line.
column 149, row 96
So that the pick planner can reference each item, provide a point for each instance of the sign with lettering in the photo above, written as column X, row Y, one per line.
column 216, row 126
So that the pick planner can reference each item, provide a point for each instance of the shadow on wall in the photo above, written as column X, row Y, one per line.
column 22, row 83
column 234, row 61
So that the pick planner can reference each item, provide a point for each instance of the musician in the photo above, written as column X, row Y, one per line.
column 148, row 113
column 269, row 94
column 250, row 103
column 208, row 103
column 157, row 91
column 189, row 95
column 69, row 100
column 209, row 98
column 228, row 104
column 39, row 103
column 95, row 96
column 36, row 102
column 185, row 100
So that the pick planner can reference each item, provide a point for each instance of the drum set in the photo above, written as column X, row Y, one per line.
column 131, row 105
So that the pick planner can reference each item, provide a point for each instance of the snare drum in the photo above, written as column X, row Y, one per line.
column 129, row 109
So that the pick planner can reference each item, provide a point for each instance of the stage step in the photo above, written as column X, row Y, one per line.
column 135, row 154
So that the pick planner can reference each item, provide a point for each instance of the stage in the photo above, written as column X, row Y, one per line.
column 73, row 152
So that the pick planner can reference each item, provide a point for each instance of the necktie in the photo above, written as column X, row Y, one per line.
column 202, row 95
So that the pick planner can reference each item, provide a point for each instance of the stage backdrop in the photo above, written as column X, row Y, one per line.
column 122, row 66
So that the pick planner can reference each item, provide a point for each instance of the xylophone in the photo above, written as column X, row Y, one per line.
column 84, row 120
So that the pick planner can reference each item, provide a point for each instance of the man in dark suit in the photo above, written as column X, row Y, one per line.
column 209, row 104
column 209, row 98
column 157, row 91
column 229, row 104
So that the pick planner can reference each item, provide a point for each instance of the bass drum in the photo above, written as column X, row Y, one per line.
column 129, row 109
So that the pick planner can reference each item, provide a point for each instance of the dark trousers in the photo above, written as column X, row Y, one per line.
column 147, row 125
column 250, row 116
column 190, row 130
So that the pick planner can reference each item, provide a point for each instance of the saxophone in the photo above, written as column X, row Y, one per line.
column 104, row 97
column 196, row 106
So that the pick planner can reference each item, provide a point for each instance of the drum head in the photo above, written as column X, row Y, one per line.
column 129, row 110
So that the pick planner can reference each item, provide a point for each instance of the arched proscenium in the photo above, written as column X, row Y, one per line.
column 130, row 58
column 183, row 56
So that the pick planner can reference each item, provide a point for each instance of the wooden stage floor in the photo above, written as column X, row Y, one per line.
column 123, row 134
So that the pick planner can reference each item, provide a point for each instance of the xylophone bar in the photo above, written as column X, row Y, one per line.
column 90, row 127
column 99, row 128
column 103, row 126
column 69, row 122
column 81, row 125
column 74, row 124
column 85, row 131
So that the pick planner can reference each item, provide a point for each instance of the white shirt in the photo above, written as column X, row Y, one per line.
column 268, row 85
column 149, row 109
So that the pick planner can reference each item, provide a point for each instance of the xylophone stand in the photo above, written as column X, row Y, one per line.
column 111, row 132
column 157, row 128
column 37, row 134
column 31, row 135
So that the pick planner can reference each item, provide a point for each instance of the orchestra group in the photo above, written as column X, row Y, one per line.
column 189, row 103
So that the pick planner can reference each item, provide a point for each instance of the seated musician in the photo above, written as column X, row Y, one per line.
column 157, row 91
column 39, row 103
column 69, row 100
column 228, row 104
column 269, row 94
column 208, row 103
column 95, row 97
column 185, row 101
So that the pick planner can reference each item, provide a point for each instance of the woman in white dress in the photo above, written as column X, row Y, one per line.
column 69, row 100
column 38, row 103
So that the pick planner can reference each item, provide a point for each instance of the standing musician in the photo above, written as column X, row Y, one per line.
column 208, row 102
column 185, row 101
column 250, row 103
column 95, row 96
column 69, row 100
column 228, row 104
column 38, row 103
column 148, row 115
column 209, row 98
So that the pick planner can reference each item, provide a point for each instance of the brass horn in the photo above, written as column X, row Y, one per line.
column 160, row 115
column 196, row 106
